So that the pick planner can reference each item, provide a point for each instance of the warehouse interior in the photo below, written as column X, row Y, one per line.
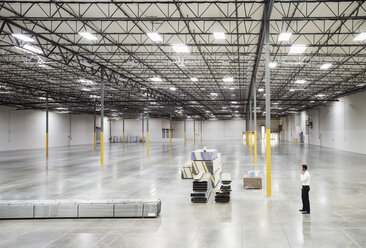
column 106, row 100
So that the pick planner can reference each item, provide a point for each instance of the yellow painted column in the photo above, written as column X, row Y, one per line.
column 255, row 147
column 47, row 144
column 147, row 143
column 123, row 138
column 101, row 148
column 250, row 143
column 268, row 149
column 95, row 141
column 185, row 139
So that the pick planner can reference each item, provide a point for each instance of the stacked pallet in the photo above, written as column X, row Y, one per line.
column 224, row 189
column 207, row 161
column 187, row 170
column 201, row 188
column 252, row 180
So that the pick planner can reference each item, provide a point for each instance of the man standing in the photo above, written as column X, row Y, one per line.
column 305, row 181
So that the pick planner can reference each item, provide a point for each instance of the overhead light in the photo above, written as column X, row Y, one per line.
column 325, row 66
column 94, row 96
column 173, row 88
column 300, row 81
column 320, row 95
column 86, row 89
column 180, row 48
column 312, row 101
column 156, row 37
column 360, row 37
column 228, row 79
column 260, row 90
column 32, row 48
column 23, row 37
column 208, row 111
column 292, row 90
column 272, row 64
column 42, row 98
column 275, row 103
column 223, row 107
column 361, row 84
column 297, row 49
column 194, row 79
column 60, row 108
column 88, row 36
column 85, row 81
column 232, row 88
column 213, row 94
column 156, row 79
column 44, row 66
column 284, row 36
column 219, row 35
column 234, row 102
column 85, row 63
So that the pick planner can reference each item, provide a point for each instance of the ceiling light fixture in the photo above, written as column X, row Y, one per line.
column 86, row 89
column 260, row 90
column 180, row 48
column 219, row 35
column 228, row 79
column 213, row 94
column 156, row 79
column 232, row 88
column 194, row 79
column 32, row 48
column 320, row 95
column 85, row 81
column 272, row 64
column 88, row 36
column 234, row 102
column 360, row 37
column 23, row 37
column 173, row 88
column 292, row 90
column 325, row 66
column 284, row 36
column 297, row 49
column 156, row 37
column 300, row 81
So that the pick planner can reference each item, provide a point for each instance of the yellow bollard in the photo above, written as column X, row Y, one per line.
column 268, row 145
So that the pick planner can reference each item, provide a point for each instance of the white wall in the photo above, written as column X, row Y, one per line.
column 26, row 129
column 339, row 125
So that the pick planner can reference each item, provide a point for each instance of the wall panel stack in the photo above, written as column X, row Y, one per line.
column 224, row 189
column 202, row 188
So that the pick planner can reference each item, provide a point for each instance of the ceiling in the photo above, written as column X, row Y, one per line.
column 61, row 63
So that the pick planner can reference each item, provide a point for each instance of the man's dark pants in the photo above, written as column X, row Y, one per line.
column 305, row 198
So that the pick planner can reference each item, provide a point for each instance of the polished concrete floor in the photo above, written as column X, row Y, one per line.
column 251, row 219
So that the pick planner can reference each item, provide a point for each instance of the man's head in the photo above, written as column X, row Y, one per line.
column 304, row 167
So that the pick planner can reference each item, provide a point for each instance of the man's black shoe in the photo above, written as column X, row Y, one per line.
column 305, row 212
column 301, row 210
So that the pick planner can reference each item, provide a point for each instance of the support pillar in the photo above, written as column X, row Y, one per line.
column 268, row 107
column 171, row 132
column 47, row 125
column 142, row 129
column 147, row 124
column 185, row 130
column 102, row 118
column 194, row 131
column 95, row 128
column 250, row 127
column 255, row 119
column 123, row 129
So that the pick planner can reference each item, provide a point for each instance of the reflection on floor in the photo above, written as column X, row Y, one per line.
column 337, row 196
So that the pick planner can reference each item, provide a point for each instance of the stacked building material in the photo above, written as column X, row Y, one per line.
column 187, row 170
column 19, row 209
column 202, row 187
column 207, row 165
column 252, row 180
column 224, row 189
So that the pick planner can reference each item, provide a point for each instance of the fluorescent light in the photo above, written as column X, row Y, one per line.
column 284, row 36
column 361, row 84
column 260, row 90
column 232, row 88
column 23, row 37
column 156, row 37
column 300, row 81
column 42, row 98
column 180, row 48
column 59, row 108
column 312, row 101
column 219, row 35
column 88, row 36
column 292, row 90
column 94, row 96
column 272, row 64
column 325, row 66
column 234, row 102
column 360, row 37
column 213, row 94
column 228, row 79
column 320, row 95
column 86, row 89
column 85, row 81
column 297, row 49
column 156, row 79
column 32, row 48
column 44, row 66
column 194, row 79
column 173, row 88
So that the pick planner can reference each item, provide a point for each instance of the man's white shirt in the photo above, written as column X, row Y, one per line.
column 305, row 179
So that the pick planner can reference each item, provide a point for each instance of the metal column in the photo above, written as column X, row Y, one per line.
column 123, row 129
column 268, row 107
column 255, row 119
column 147, row 124
column 102, row 117
column 47, row 125
column 194, row 131
column 171, row 131
column 185, row 130
column 201, row 133
column 246, row 128
column 95, row 128
column 250, row 127
column 142, row 128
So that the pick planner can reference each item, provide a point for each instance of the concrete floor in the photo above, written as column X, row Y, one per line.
column 337, row 196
